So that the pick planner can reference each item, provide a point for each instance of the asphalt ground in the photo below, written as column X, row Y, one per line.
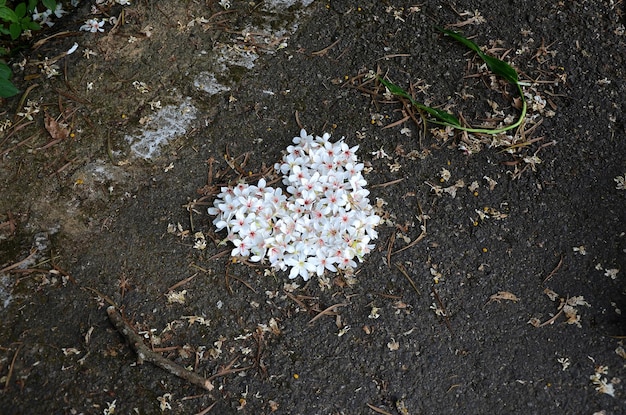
column 497, row 280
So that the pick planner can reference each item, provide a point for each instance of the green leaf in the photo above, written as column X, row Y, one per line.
column 7, row 89
column 16, row 30
column 473, row 46
column 394, row 89
column 31, row 5
column 496, row 66
column 443, row 116
column 3, row 2
column 20, row 10
column 5, row 71
column 50, row 4
column 32, row 26
column 8, row 15
column 501, row 68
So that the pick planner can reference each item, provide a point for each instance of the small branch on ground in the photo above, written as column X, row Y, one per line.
column 554, row 271
column 145, row 354
column 402, row 270
column 329, row 311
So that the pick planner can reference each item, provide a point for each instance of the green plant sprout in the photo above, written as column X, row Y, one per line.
column 7, row 89
column 441, row 117
column 19, row 19
column 13, row 22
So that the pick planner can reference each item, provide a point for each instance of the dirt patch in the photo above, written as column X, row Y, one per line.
column 509, row 300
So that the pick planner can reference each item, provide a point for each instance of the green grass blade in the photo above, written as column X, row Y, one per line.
column 444, row 117
column 501, row 68
column 471, row 45
column 496, row 66
column 394, row 89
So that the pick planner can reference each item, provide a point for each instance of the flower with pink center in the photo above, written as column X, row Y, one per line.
column 241, row 248
column 93, row 26
column 324, row 221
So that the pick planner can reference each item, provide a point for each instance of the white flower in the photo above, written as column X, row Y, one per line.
column 601, row 384
column 242, row 248
column 380, row 154
column 30, row 109
column 325, row 223
column 93, row 26
column 72, row 49
column 58, row 11
column 44, row 17
column 300, row 266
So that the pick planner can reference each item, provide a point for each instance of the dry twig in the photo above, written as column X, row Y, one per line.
column 145, row 354
column 406, row 275
column 421, row 236
column 207, row 409
column 324, row 51
column 8, row 380
column 181, row 283
column 329, row 311
column 18, row 264
column 378, row 410
column 387, row 183
column 554, row 271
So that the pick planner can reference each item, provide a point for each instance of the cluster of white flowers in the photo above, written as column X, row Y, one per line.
column 323, row 222
column 94, row 25
column 44, row 17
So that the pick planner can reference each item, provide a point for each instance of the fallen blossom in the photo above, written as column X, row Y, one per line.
column 176, row 297
column 601, row 384
column 72, row 49
column 612, row 273
column 323, row 222
column 164, row 401
column 93, row 26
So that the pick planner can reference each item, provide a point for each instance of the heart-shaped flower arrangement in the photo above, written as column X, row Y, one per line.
column 324, row 222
